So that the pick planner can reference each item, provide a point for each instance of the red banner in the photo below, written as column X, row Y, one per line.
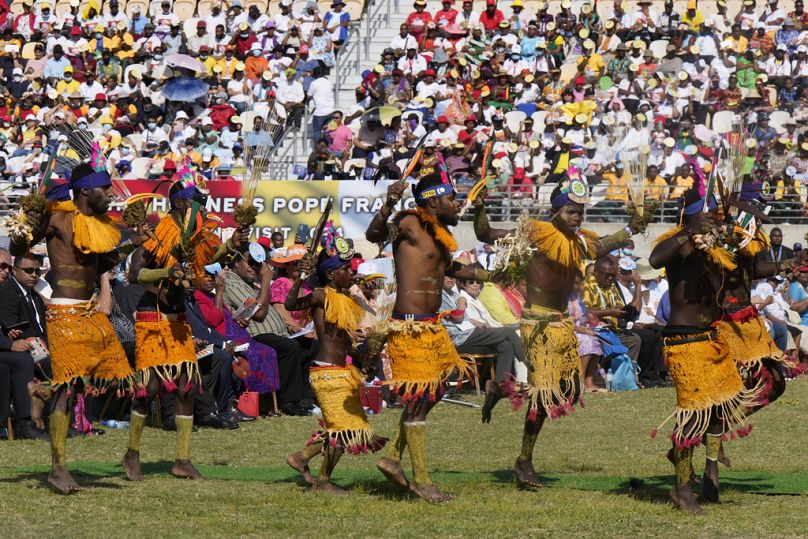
column 224, row 197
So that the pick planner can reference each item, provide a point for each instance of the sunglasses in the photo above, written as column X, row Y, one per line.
column 4, row 266
column 31, row 271
column 476, row 282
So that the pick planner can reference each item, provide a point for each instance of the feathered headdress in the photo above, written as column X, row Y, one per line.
column 573, row 189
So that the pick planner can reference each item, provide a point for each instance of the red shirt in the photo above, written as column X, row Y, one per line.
column 417, row 22
column 213, row 316
column 444, row 17
column 491, row 23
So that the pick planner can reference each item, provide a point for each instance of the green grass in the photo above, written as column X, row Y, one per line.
column 604, row 477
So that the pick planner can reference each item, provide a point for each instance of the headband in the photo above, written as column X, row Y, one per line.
column 696, row 207
column 440, row 190
column 331, row 263
column 92, row 180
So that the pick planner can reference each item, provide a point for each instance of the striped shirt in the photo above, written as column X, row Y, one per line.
column 236, row 291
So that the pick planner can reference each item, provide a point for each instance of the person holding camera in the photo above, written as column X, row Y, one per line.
column 605, row 299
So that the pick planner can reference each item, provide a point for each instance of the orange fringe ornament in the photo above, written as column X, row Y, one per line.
column 342, row 310
column 717, row 256
column 167, row 238
column 91, row 233
column 434, row 228
column 567, row 252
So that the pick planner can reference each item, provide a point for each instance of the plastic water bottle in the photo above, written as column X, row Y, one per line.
column 110, row 423
column 609, row 379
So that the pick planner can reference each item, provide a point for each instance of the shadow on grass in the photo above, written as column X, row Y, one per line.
column 657, row 488
column 84, row 480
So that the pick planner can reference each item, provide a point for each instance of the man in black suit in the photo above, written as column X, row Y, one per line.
column 20, row 304
column 777, row 252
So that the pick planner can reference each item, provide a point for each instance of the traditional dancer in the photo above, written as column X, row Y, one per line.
column 184, row 241
column 337, row 316
column 550, row 254
column 421, row 353
column 82, row 244
column 711, row 397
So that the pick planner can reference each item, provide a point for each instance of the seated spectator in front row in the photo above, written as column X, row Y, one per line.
column 472, row 330
column 249, row 281
column 20, row 305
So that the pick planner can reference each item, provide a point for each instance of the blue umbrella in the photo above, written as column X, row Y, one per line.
column 185, row 89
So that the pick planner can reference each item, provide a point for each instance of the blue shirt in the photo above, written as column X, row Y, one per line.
column 56, row 68
column 797, row 293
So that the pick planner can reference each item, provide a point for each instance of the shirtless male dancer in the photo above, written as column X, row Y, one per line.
column 337, row 316
column 421, row 353
column 711, row 398
column 82, row 244
column 552, row 262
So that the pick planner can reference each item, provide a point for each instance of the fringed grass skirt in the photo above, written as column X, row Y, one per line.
column 165, row 346
column 344, row 421
column 708, row 385
column 422, row 357
column 83, row 346
column 555, row 377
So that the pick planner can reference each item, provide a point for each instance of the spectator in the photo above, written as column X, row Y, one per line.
column 20, row 306
column 266, row 326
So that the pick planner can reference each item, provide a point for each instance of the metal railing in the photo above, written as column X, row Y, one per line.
column 348, row 63
column 508, row 202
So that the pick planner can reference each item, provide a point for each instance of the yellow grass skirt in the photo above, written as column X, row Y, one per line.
column 707, row 382
column 422, row 357
column 749, row 341
column 83, row 345
column 166, row 348
column 555, row 376
column 344, row 421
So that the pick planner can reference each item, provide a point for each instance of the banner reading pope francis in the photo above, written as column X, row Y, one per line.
column 283, row 205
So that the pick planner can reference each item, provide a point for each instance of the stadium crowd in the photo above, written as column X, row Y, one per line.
column 543, row 91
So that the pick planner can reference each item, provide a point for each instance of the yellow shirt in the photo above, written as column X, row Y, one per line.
column 493, row 300
column 617, row 189
column 227, row 67
column 694, row 23
column 595, row 62
column 780, row 190
column 66, row 88
column 656, row 189
column 740, row 44
column 209, row 63
column 680, row 186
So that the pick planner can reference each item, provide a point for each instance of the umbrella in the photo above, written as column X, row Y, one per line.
column 185, row 89
column 383, row 114
column 186, row 62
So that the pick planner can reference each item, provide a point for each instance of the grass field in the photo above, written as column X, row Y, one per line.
column 604, row 477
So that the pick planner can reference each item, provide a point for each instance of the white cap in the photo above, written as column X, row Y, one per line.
column 627, row 264
column 17, row 71
column 207, row 154
column 181, row 115
column 207, row 121
column 255, row 46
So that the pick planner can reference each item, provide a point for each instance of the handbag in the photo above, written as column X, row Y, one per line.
column 623, row 374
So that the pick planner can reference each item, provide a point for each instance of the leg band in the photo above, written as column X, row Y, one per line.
column 713, row 443
column 416, row 441
column 59, row 423
column 136, row 423
column 185, row 425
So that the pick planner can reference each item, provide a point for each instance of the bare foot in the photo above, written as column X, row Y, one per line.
column 131, row 465
column 493, row 393
column 709, row 483
column 526, row 475
column 62, row 482
column 683, row 497
column 327, row 486
column 393, row 472
column 184, row 469
column 429, row 493
column 299, row 463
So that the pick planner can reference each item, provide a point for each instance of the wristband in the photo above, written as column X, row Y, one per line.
column 630, row 232
column 150, row 276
